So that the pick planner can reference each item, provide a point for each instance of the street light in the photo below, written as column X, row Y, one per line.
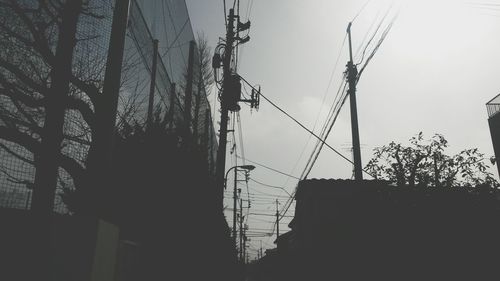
column 243, row 167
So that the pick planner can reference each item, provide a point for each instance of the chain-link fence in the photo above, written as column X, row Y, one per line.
column 22, row 112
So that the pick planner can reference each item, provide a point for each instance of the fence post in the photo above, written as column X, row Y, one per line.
column 99, row 159
column 172, row 107
column 152, row 84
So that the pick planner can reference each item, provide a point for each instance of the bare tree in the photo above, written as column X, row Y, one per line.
column 36, row 109
column 204, row 79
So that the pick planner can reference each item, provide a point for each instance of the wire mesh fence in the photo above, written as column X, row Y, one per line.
column 166, row 21
column 493, row 106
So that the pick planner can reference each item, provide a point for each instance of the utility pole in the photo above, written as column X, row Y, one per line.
column 152, row 85
column 171, row 113
column 277, row 221
column 221, row 151
column 352, row 75
column 230, row 94
column 242, row 248
column 260, row 251
column 235, row 207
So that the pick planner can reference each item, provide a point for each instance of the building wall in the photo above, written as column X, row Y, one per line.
column 494, row 122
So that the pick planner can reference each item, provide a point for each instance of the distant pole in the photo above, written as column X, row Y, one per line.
column 152, row 85
column 242, row 248
column 172, row 106
column 189, row 92
column 352, row 74
column 235, row 207
column 221, row 151
column 277, row 221
column 245, row 247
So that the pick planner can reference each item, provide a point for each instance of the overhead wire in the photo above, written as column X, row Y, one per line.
column 324, row 98
column 368, row 31
column 360, row 11
column 377, row 46
column 225, row 14
column 302, row 126
column 269, row 168
column 335, row 114
column 374, row 35
column 342, row 101
column 271, row 186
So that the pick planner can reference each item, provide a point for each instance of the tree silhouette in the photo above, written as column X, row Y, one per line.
column 204, row 79
column 30, row 32
column 425, row 163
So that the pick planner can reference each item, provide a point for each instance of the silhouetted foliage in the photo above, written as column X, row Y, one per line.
column 425, row 163
column 29, row 34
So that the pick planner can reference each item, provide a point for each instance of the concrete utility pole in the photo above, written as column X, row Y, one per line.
column 235, row 207
column 242, row 247
column 352, row 75
column 221, row 151
column 152, row 85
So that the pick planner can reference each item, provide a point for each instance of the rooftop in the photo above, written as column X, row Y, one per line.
column 493, row 106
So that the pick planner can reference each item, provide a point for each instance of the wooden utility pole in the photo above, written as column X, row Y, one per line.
column 352, row 76
column 221, row 151
column 152, row 85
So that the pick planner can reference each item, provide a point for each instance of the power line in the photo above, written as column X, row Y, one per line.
column 321, row 109
column 331, row 121
column 269, row 168
column 303, row 127
column 373, row 35
column 271, row 215
column 296, row 121
column 271, row 186
column 361, row 10
column 225, row 15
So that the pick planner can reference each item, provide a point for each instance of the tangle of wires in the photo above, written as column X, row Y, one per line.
column 341, row 97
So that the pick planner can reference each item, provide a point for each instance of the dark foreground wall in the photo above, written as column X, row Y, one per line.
column 163, row 201
column 494, row 123
column 377, row 232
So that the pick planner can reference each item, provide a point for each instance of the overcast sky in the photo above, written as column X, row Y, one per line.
column 434, row 73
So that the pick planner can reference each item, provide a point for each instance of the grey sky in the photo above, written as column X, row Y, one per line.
column 434, row 73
